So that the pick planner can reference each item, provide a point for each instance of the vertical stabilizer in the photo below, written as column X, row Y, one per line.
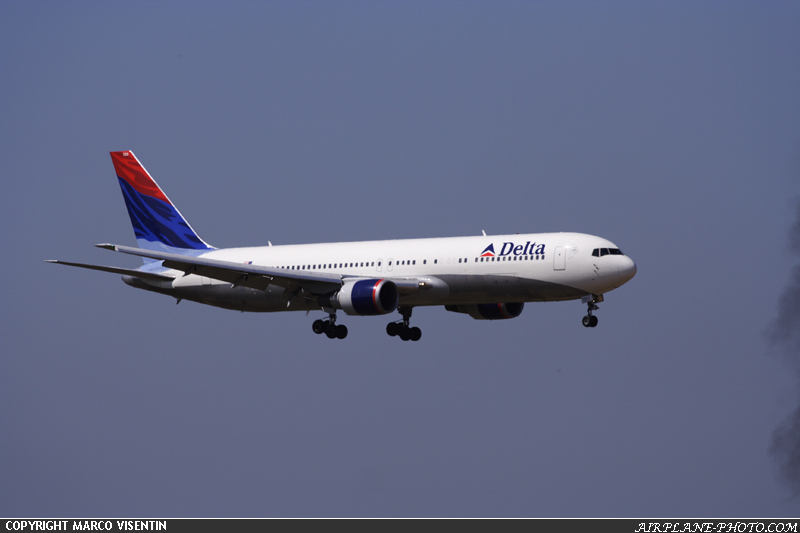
column 157, row 223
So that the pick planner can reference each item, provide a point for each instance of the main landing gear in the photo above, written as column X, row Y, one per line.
column 329, row 327
column 401, row 329
column 590, row 321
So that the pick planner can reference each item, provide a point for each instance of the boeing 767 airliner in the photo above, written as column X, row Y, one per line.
column 486, row 277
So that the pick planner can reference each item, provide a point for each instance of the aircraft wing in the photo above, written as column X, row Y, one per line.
column 247, row 275
column 116, row 270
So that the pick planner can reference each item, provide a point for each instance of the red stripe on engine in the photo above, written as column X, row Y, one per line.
column 374, row 293
column 502, row 313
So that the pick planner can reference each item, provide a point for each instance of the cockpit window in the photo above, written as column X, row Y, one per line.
column 600, row 252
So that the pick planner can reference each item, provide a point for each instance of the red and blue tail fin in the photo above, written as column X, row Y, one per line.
column 157, row 223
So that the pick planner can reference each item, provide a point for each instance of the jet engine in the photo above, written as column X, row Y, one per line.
column 488, row 311
column 364, row 297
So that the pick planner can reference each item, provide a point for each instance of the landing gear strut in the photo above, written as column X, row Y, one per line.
column 329, row 327
column 590, row 321
column 401, row 329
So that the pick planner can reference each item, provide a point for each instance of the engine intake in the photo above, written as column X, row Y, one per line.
column 489, row 311
column 365, row 297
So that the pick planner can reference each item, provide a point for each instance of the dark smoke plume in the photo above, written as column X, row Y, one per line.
column 784, row 334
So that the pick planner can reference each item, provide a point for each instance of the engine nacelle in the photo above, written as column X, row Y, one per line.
column 488, row 311
column 365, row 297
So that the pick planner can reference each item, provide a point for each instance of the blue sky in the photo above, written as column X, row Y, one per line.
column 671, row 129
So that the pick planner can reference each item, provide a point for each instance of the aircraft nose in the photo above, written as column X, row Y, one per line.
column 626, row 269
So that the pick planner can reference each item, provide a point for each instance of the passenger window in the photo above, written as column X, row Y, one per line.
column 435, row 261
column 414, row 262
column 424, row 261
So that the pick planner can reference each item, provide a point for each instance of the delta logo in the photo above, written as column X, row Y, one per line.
column 509, row 248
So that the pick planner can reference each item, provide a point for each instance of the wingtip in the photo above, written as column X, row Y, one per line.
column 106, row 246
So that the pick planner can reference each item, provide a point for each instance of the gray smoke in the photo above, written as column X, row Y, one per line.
column 784, row 335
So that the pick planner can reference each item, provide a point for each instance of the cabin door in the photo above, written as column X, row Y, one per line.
column 560, row 258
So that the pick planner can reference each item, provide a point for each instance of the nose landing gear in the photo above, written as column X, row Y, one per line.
column 590, row 321
column 329, row 327
column 401, row 329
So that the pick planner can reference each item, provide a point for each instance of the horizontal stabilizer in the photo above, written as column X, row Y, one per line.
column 117, row 270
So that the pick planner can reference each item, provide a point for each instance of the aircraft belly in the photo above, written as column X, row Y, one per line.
column 273, row 299
column 498, row 288
column 455, row 289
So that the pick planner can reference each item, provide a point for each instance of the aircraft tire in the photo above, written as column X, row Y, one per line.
column 587, row 321
column 415, row 334
column 341, row 331
column 330, row 331
column 593, row 322
column 392, row 329
column 404, row 334
column 319, row 326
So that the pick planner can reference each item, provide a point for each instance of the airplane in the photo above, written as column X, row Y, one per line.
column 485, row 277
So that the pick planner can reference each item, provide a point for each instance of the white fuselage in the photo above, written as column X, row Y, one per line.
column 450, row 271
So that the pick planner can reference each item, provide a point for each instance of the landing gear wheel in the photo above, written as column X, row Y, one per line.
column 329, row 326
column 402, row 329
column 319, row 326
column 590, row 321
